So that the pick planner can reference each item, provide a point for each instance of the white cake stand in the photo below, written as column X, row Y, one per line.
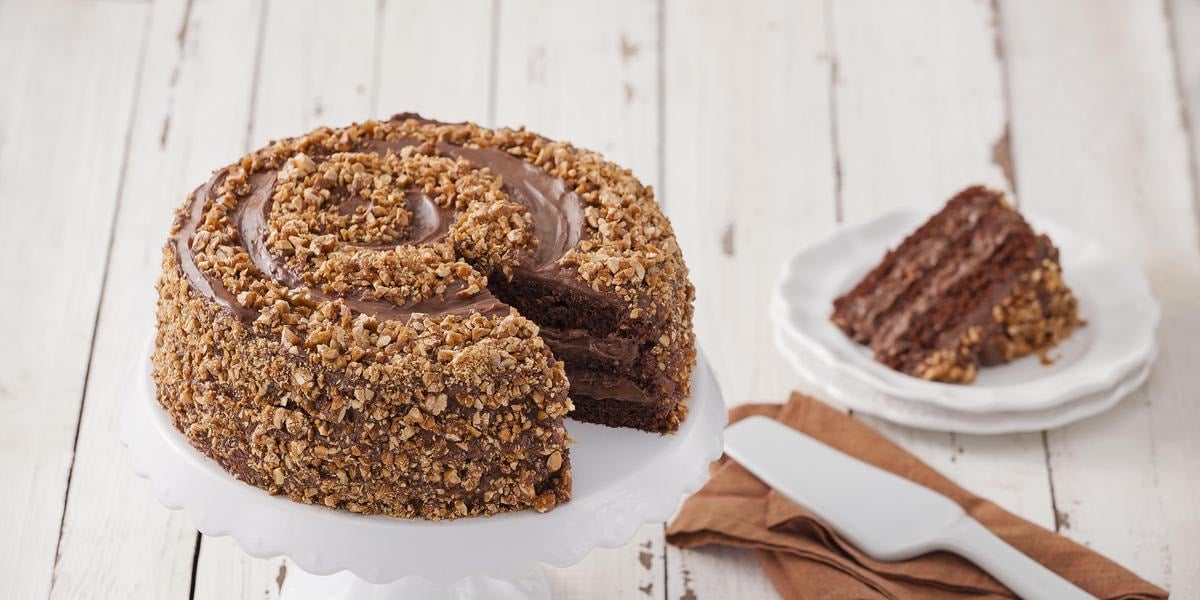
column 622, row 479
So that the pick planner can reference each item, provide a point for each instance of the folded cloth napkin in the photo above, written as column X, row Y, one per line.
column 806, row 559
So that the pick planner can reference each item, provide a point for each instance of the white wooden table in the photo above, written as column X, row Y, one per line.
column 761, row 124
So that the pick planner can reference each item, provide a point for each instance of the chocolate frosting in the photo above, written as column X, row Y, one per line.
column 556, row 212
column 578, row 341
column 606, row 386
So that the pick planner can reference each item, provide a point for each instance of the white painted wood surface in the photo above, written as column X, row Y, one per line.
column 760, row 128
column 747, row 150
column 1121, row 480
column 62, row 138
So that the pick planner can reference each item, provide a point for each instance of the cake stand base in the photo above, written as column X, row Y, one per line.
column 300, row 585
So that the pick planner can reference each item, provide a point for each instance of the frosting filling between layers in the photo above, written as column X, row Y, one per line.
column 606, row 386
column 580, row 344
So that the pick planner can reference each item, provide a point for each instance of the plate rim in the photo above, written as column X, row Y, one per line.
column 1004, row 423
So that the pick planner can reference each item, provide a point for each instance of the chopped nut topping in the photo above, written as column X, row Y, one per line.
column 313, row 399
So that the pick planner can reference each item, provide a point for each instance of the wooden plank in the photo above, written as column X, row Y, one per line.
column 749, row 170
column 63, row 119
column 317, row 67
column 435, row 59
column 192, row 111
column 920, row 103
column 588, row 72
column 921, row 114
column 716, row 572
column 1099, row 144
column 635, row 571
column 585, row 72
column 749, row 177
column 224, row 571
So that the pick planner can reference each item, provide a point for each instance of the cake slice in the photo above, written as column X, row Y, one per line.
column 974, row 285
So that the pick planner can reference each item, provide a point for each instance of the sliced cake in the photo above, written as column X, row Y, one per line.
column 396, row 317
column 974, row 285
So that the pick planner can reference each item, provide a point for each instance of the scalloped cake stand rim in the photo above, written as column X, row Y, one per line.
column 637, row 478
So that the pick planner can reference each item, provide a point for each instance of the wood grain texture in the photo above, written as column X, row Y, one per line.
column 586, row 72
column 1099, row 144
column 715, row 573
column 224, row 572
column 193, row 106
column 435, row 58
column 317, row 67
column 913, row 127
column 749, row 177
column 62, row 138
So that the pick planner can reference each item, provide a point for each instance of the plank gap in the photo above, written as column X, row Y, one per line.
column 257, row 74
column 1185, row 117
column 1058, row 518
column 661, row 84
column 666, row 577
column 195, row 566
column 834, row 144
column 181, row 37
column 1002, row 154
column 493, row 64
column 377, row 60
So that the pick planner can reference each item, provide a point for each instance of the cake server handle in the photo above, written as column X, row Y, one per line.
column 1026, row 577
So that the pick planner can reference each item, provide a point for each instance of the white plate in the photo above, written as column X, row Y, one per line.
column 863, row 398
column 1114, row 298
column 622, row 479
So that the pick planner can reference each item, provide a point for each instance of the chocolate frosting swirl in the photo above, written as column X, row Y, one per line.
column 555, row 210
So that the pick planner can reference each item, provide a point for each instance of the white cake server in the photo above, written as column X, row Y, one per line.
column 886, row 516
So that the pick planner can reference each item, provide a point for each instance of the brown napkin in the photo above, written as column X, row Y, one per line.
column 805, row 559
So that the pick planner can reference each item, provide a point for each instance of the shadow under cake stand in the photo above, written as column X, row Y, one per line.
column 622, row 479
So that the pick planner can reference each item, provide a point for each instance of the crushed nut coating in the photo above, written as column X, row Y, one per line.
column 1037, row 315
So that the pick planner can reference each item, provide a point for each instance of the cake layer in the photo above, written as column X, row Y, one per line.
column 591, row 334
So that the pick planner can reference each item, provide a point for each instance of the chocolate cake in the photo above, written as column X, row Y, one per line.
column 395, row 317
column 974, row 285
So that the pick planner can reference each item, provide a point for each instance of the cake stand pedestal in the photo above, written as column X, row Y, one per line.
column 306, row 586
column 622, row 479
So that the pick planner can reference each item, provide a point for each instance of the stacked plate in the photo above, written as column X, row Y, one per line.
column 1092, row 370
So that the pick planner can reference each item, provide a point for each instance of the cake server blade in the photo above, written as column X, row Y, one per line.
column 886, row 516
